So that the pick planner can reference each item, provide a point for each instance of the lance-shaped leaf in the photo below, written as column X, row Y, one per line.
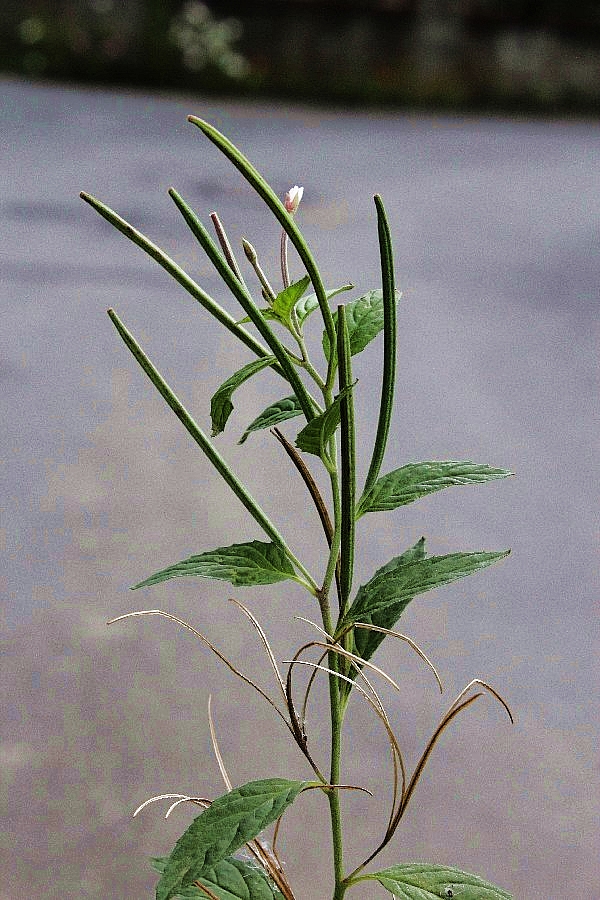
column 382, row 600
column 415, row 480
column 424, row 881
column 241, row 564
column 366, row 642
column 230, row 879
column 364, row 318
column 277, row 412
column 286, row 300
column 231, row 821
column 282, row 305
column 315, row 436
column 221, row 406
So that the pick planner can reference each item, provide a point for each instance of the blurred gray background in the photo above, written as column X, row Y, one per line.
column 494, row 220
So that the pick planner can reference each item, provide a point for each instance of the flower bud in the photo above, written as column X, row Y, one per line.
column 293, row 198
column 249, row 251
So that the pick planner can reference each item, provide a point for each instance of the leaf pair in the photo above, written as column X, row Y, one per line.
column 203, row 852
column 221, row 406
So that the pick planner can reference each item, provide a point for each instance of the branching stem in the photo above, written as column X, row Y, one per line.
column 381, row 600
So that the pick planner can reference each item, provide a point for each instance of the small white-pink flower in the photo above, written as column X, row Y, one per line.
column 293, row 198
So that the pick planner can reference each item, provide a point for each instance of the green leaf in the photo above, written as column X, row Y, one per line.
column 231, row 821
column 285, row 301
column 422, row 881
column 277, row 412
column 366, row 642
column 407, row 484
column 306, row 305
column 382, row 600
column 221, row 406
column 241, row 564
column 303, row 307
column 266, row 312
column 364, row 318
column 230, row 879
column 314, row 437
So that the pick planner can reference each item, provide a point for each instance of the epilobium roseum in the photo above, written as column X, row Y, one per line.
column 206, row 860
column 293, row 198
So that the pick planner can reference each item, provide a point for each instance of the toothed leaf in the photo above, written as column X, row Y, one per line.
column 303, row 307
column 229, row 823
column 230, row 879
column 365, row 641
column 422, row 881
column 285, row 301
column 241, row 564
column 221, row 406
column 407, row 484
column 315, row 436
column 383, row 599
column 364, row 318
column 277, row 412
column 281, row 307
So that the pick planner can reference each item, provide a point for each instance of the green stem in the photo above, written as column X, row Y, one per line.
column 285, row 274
column 337, row 718
column 334, row 778
column 348, row 461
column 267, row 193
column 335, row 699
column 305, row 361
column 177, row 273
column 334, row 548
column 208, row 449
column 246, row 302
column 389, row 345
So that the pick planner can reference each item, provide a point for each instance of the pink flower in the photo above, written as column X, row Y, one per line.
column 293, row 198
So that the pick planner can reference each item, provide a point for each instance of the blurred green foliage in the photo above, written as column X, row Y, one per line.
column 448, row 53
column 146, row 43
